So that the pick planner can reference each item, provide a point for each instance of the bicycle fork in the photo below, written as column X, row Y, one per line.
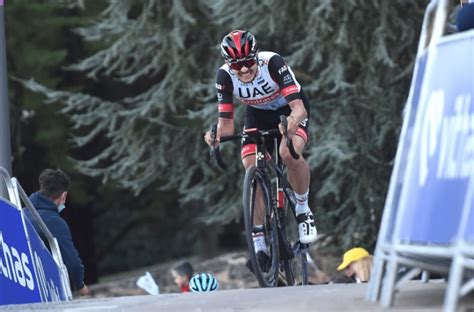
column 286, row 251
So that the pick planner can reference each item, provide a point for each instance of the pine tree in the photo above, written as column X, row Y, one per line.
column 354, row 59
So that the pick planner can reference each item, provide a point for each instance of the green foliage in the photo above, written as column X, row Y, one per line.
column 354, row 59
column 35, row 48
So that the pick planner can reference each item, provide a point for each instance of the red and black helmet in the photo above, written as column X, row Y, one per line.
column 238, row 45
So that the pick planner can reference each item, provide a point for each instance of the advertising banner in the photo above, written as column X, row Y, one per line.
column 441, row 157
column 28, row 272
column 49, row 278
column 404, row 143
column 17, row 273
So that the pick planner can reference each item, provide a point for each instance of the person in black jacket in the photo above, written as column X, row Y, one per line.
column 49, row 201
column 465, row 15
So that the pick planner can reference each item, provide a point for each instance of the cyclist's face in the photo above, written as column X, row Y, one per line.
column 246, row 74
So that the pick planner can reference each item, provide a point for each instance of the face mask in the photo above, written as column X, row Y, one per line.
column 61, row 208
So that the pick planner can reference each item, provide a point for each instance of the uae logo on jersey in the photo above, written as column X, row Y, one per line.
column 254, row 92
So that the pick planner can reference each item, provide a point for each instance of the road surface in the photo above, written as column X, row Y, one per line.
column 413, row 296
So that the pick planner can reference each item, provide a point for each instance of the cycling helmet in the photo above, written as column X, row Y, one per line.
column 203, row 282
column 238, row 45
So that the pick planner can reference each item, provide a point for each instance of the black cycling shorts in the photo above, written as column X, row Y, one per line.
column 270, row 119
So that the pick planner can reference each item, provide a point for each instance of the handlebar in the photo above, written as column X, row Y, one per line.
column 214, row 151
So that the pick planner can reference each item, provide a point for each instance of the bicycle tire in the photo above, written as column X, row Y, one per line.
column 299, row 266
column 299, row 263
column 303, row 258
column 286, row 250
column 304, row 268
column 296, row 267
column 289, row 274
column 254, row 178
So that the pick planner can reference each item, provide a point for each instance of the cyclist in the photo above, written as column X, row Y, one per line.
column 267, row 85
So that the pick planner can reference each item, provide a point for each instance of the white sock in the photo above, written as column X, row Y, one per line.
column 259, row 242
column 302, row 203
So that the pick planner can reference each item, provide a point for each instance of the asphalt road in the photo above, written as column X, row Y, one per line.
column 413, row 296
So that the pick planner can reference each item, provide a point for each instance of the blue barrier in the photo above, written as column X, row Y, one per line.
column 18, row 283
column 49, row 279
column 468, row 235
column 28, row 273
column 404, row 145
column 441, row 157
column 428, row 219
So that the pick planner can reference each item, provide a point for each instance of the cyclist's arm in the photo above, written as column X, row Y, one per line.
column 225, row 124
column 298, row 111
column 297, row 115
column 225, row 127
column 290, row 89
column 224, row 89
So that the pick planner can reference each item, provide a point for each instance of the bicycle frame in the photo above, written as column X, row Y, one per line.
column 263, row 160
column 280, row 191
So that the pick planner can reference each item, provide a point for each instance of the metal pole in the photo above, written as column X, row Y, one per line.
column 5, row 148
column 439, row 26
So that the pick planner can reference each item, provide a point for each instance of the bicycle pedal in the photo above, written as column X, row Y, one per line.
column 263, row 260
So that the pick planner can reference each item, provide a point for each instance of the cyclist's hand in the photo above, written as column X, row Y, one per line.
column 210, row 141
column 84, row 291
column 291, row 128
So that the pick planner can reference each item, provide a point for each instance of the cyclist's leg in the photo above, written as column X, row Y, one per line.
column 299, row 178
column 298, row 169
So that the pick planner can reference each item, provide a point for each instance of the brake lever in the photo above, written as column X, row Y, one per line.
column 215, row 150
column 213, row 137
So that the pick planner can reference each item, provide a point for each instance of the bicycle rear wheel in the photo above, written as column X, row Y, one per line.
column 259, row 219
column 296, row 268
column 286, row 251
column 299, row 263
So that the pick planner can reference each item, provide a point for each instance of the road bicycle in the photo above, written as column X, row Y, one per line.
column 288, row 258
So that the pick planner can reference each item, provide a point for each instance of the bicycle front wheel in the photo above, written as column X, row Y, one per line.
column 260, row 221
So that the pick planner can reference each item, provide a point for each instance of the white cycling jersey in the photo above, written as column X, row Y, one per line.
column 269, row 90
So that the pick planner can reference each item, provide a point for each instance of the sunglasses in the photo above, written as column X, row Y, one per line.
column 247, row 63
